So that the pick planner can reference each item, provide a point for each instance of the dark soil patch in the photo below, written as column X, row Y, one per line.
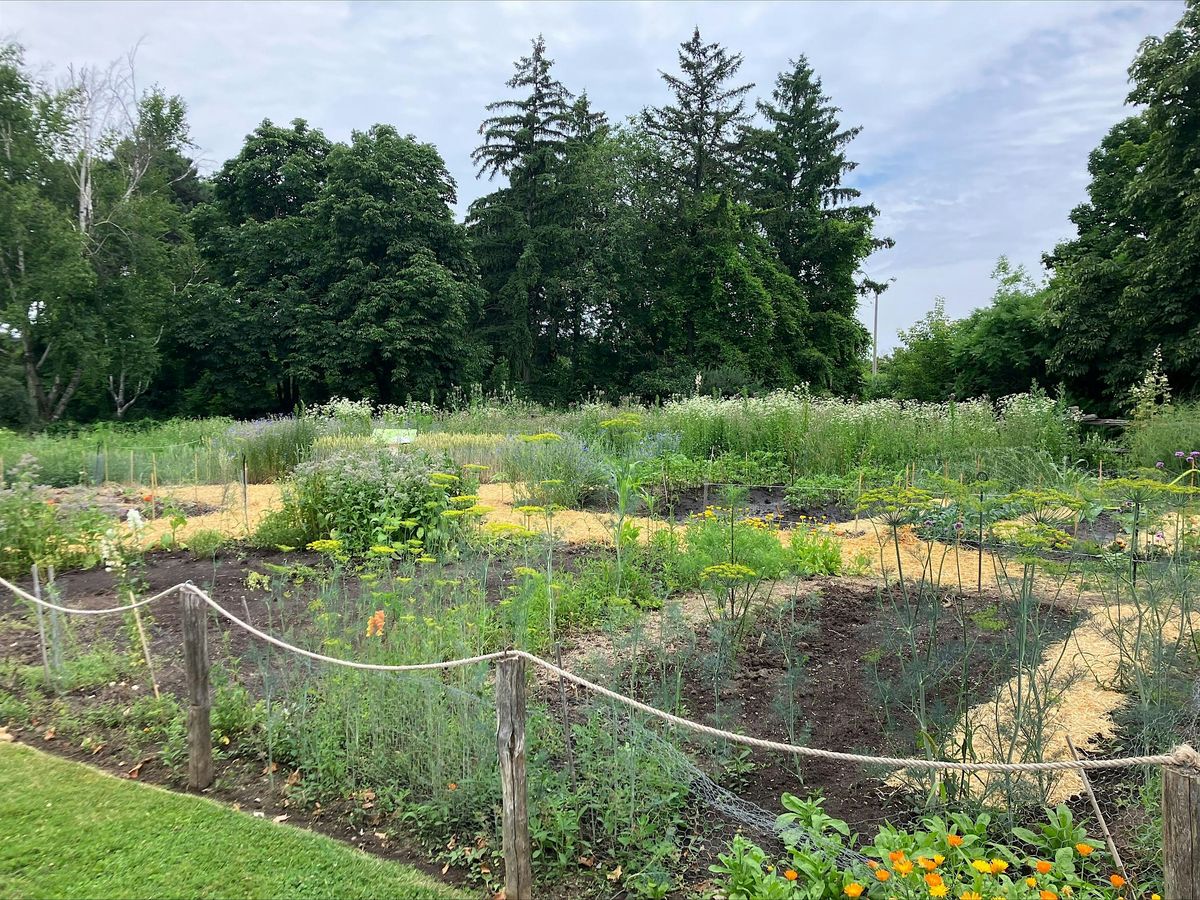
column 838, row 698
column 1101, row 531
column 757, row 502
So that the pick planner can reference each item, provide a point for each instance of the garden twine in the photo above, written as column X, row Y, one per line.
column 1183, row 756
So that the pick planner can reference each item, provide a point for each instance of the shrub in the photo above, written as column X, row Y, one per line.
column 374, row 498
column 34, row 528
column 206, row 542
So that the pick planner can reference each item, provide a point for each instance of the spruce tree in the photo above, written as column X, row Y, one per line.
column 519, row 229
column 700, row 129
column 795, row 169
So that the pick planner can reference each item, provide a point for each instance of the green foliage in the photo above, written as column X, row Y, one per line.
column 1123, row 286
column 963, row 855
column 205, row 542
column 35, row 528
column 374, row 498
column 550, row 469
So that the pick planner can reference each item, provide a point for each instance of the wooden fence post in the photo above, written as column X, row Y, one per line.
column 510, row 742
column 1181, row 833
column 195, row 663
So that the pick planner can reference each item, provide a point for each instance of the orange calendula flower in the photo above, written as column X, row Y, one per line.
column 1047, row 895
column 970, row 895
column 926, row 863
column 883, row 874
column 997, row 866
column 1116, row 881
column 904, row 868
column 933, row 879
column 939, row 890
column 954, row 840
column 1043, row 866
column 791, row 874
column 1084, row 849
column 1031, row 882
column 853, row 890
column 896, row 856
column 981, row 865
column 872, row 865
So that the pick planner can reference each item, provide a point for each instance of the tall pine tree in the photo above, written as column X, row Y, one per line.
column 699, row 130
column 519, row 234
column 795, row 168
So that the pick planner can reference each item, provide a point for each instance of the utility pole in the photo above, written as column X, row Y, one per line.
column 876, row 288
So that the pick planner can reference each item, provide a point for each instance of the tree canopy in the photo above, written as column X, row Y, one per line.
column 714, row 241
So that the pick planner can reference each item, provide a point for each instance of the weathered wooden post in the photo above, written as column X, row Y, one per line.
column 1181, row 833
column 195, row 664
column 510, row 742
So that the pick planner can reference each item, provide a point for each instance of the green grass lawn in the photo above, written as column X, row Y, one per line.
column 67, row 830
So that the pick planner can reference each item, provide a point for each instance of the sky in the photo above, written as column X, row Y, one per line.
column 977, row 117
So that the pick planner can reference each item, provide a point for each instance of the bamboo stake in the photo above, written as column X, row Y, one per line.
column 137, row 619
column 1108, row 839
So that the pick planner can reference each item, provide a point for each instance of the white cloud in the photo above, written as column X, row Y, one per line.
column 978, row 117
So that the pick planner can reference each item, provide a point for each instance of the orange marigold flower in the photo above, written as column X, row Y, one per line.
column 1031, row 882
column 896, row 856
column 997, row 866
column 791, row 874
column 933, row 879
column 1084, row 849
column 853, row 890
column 872, row 865
column 926, row 863
column 954, row 840
column 970, row 895
column 981, row 865
column 904, row 867
column 939, row 890
column 1116, row 881
column 883, row 874
column 1047, row 895
column 452, row 786
column 1043, row 866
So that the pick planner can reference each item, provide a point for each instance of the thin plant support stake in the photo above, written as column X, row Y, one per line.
column 41, row 620
column 137, row 620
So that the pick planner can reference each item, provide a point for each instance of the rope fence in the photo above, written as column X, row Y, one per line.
column 1183, row 756
column 1181, row 824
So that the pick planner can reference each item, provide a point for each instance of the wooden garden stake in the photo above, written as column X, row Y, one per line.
column 132, row 471
column 195, row 663
column 1181, row 833
column 510, row 743
column 154, row 485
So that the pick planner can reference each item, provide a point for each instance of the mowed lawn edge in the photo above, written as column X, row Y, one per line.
column 70, row 831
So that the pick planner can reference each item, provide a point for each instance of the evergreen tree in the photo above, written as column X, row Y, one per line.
column 521, row 232
column 795, row 168
column 699, row 131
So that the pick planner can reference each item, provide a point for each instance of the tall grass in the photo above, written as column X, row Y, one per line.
column 1176, row 427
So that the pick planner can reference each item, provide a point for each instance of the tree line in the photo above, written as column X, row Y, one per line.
column 712, row 243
